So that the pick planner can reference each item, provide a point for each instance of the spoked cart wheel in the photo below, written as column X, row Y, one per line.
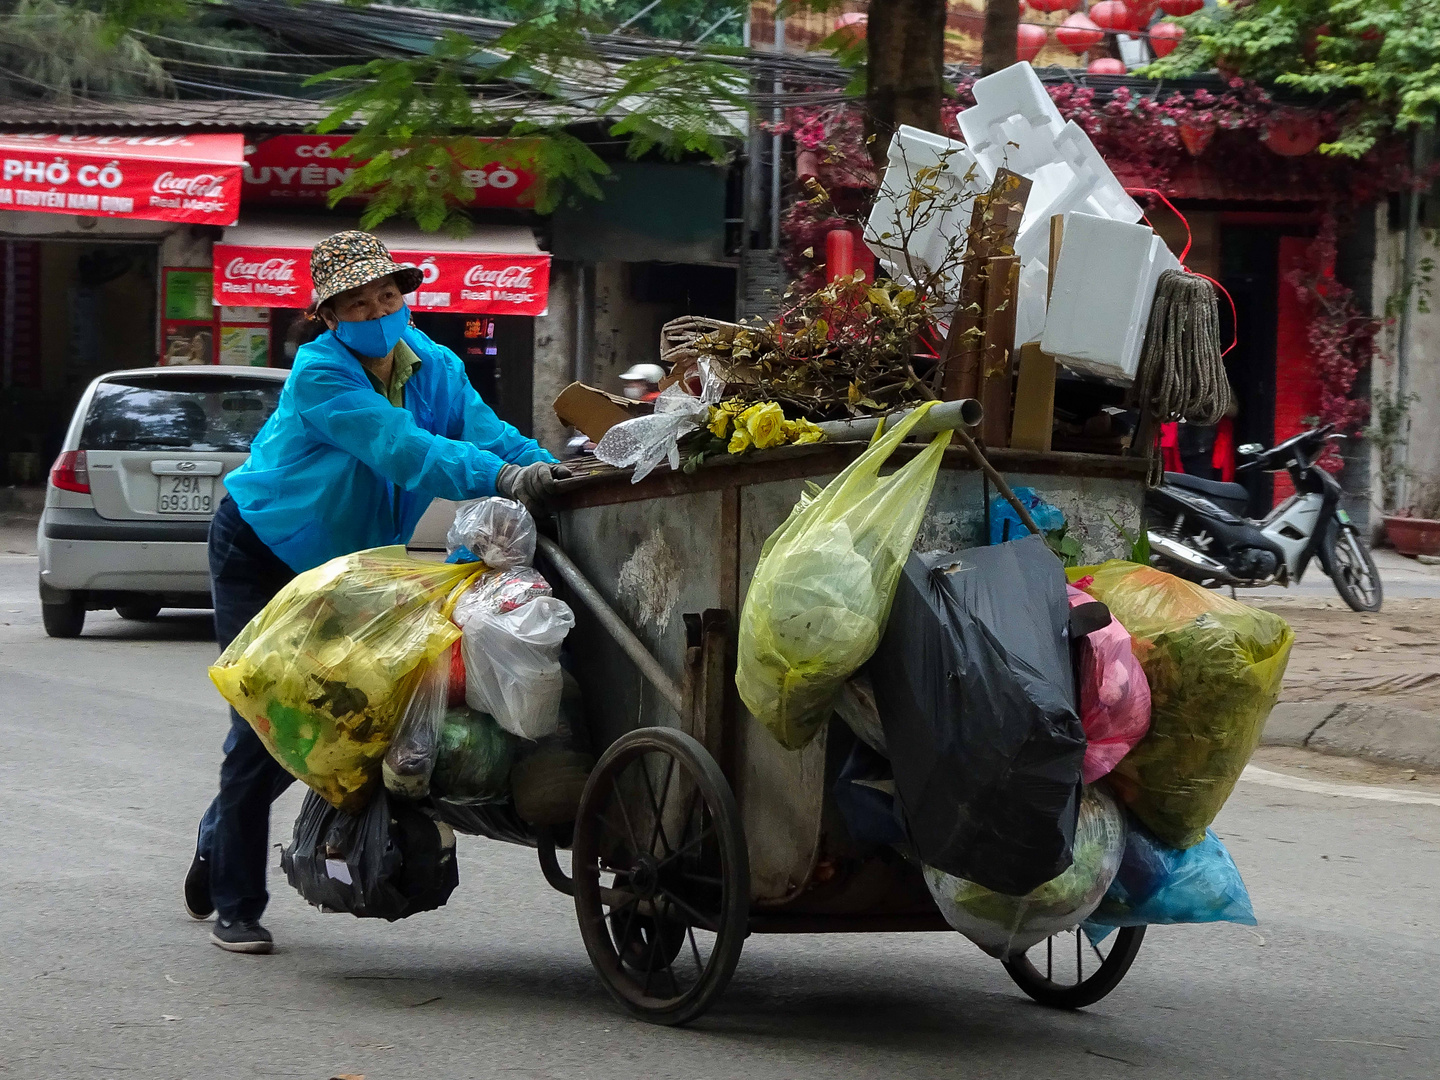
column 662, row 875
column 1068, row 971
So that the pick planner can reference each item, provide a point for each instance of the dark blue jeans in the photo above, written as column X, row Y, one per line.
column 235, row 831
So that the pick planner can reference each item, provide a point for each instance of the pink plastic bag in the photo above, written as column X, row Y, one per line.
column 1114, row 696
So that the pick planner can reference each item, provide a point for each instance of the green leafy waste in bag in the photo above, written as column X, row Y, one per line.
column 1215, row 668
column 824, row 583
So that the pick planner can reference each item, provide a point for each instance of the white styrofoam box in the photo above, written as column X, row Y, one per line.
column 912, row 149
column 1030, row 303
column 1100, row 300
column 1107, row 196
column 1013, row 123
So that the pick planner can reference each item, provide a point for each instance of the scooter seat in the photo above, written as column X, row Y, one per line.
column 1230, row 496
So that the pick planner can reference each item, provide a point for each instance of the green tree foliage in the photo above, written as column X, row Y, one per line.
column 1378, row 61
column 525, row 93
column 60, row 50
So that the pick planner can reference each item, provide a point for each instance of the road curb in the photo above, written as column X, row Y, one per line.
column 1383, row 733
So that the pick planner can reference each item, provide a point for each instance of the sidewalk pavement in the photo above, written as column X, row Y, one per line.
column 1361, row 685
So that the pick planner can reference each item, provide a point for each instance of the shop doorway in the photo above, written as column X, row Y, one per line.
column 70, row 310
column 499, row 356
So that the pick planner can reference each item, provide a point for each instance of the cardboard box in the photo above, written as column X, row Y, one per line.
column 594, row 412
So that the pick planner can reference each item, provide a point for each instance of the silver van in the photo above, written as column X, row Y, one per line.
column 130, row 497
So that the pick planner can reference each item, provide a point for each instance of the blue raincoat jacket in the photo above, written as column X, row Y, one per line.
column 337, row 468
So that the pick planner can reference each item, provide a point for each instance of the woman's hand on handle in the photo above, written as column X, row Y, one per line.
column 530, row 483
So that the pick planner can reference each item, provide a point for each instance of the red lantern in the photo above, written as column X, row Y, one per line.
column 1029, row 40
column 1077, row 33
column 1292, row 134
column 1106, row 65
column 1165, row 36
column 1196, row 135
column 1113, row 15
column 1181, row 7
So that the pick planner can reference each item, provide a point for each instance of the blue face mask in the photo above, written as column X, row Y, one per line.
column 374, row 337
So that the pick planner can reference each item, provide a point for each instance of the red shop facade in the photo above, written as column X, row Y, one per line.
column 125, row 249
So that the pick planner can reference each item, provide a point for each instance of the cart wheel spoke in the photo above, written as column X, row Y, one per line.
column 696, row 918
column 1064, row 988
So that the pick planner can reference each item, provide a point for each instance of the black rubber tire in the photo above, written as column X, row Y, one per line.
column 63, row 620
column 1359, row 586
column 1090, row 990
column 138, row 610
column 720, row 906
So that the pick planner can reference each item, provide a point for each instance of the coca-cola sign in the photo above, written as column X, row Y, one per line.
column 263, row 270
column 469, row 283
column 506, row 277
column 204, row 186
column 193, row 179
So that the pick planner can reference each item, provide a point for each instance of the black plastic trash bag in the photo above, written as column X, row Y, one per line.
column 389, row 861
column 976, row 692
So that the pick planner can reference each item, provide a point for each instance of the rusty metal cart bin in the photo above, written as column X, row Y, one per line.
column 696, row 828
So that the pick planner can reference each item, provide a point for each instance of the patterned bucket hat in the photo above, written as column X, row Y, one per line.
column 349, row 259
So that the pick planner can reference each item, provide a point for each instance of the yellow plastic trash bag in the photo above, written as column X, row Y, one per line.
column 824, row 584
column 1214, row 668
column 325, row 671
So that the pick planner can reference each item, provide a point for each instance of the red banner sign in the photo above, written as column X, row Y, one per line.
column 479, row 284
column 186, row 178
column 306, row 168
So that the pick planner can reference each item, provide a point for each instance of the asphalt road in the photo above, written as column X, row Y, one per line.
column 111, row 745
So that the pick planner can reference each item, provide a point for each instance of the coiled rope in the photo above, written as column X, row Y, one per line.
column 1182, row 367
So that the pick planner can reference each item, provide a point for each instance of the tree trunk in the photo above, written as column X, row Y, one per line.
column 906, row 68
column 1002, row 23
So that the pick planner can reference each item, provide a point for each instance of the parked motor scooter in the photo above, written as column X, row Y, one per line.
column 1197, row 529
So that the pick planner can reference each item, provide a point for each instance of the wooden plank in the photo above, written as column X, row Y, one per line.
column 1057, row 234
column 994, row 226
column 1002, row 286
column 1034, row 400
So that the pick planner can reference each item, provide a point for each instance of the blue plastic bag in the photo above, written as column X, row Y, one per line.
column 1159, row 884
column 1005, row 524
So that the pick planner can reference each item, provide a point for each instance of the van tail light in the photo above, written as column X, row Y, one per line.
column 71, row 473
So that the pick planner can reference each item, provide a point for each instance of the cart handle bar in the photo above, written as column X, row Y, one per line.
column 615, row 626
column 946, row 416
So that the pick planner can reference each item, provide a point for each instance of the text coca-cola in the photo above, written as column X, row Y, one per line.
column 508, row 277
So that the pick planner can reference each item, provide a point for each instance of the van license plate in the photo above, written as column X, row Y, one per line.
column 186, row 494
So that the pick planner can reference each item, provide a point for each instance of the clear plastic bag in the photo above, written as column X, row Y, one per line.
column 326, row 669
column 498, row 532
column 824, row 584
column 1214, row 667
column 1114, row 696
column 1009, row 925
column 646, row 441
column 512, row 665
column 500, row 591
column 411, row 757
column 1159, row 884
column 474, row 759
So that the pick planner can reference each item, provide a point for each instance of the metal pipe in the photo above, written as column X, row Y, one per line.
column 777, row 142
column 1410, row 260
column 584, row 323
column 947, row 416
column 615, row 626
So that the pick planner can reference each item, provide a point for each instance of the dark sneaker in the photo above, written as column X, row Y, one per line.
column 197, row 890
column 241, row 936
